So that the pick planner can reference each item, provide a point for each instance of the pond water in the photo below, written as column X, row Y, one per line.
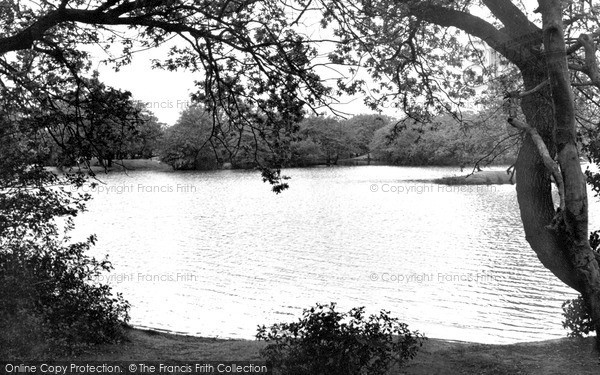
column 217, row 253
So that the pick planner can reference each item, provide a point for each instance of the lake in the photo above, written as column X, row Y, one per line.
column 217, row 253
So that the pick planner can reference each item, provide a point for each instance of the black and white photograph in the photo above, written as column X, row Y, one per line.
column 300, row 187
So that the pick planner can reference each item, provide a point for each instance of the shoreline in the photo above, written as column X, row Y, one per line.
column 437, row 356
column 488, row 176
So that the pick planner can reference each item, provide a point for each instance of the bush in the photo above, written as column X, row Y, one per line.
column 21, row 335
column 52, row 290
column 577, row 319
column 51, row 303
column 327, row 342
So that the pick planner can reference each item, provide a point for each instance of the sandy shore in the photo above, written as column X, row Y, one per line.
column 563, row 356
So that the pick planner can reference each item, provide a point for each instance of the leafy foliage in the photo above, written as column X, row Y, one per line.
column 363, row 128
column 332, row 138
column 188, row 143
column 196, row 142
column 577, row 318
column 575, row 311
column 326, row 341
column 591, row 146
column 478, row 139
column 54, row 284
column 144, row 141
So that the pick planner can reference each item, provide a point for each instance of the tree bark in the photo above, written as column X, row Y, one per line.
column 573, row 228
column 534, row 193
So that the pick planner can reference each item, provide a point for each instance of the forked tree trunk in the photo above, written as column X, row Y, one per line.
column 565, row 251
column 534, row 185
column 564, row 248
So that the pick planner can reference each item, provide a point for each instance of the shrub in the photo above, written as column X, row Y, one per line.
column 21, row 331
column 51, row 304
column 577, row 319
column 328, row 342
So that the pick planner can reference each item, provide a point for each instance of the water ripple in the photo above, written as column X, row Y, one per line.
column 230, row 255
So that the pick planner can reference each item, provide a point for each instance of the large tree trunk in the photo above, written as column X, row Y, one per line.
column 560, row 239
column 534, row 185
column 565, row 250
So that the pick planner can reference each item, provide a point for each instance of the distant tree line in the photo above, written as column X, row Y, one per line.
column 195, row 143
column 476, row 140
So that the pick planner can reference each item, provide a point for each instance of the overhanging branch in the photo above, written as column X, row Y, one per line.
column 473, row 25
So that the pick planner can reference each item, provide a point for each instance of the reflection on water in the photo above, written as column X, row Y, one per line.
column 217, row 253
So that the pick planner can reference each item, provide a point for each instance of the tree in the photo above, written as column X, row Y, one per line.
column 101, row 124
column 93, row 120
column 144, row 141
column 196, row 142
column 478, row 139
column 333, row 138
column 405, row 148
column 305, row 152
column 189, row 144
column 50, row 300
column 363, row 128
column 414, row 49
column 81, row 120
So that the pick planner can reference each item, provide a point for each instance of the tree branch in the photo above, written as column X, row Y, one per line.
column 496, row 39
column 517, row 24
column 591, row 62
column 25, row 38
column 522, row 94
column 577, row 45
column 549, row 163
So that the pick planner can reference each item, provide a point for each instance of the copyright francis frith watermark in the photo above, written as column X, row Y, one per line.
column 433, row 277
column 429, row 188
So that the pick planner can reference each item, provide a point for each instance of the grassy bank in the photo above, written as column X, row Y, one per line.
column 563, row 356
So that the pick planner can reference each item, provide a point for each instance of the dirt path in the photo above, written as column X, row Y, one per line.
column 564, row 356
